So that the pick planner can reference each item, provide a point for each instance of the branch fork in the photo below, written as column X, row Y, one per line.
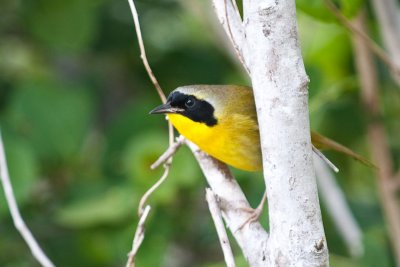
column 302, row 218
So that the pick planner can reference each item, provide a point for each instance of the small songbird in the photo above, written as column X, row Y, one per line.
column 222, row 121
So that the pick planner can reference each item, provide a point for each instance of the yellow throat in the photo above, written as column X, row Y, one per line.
column 231, row 141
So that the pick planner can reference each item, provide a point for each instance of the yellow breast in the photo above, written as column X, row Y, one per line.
column 233, row 140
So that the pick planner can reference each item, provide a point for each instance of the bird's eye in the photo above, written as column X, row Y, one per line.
column 190, row 102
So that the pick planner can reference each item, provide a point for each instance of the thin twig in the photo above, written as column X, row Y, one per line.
column 163, row 99
column 229, row 16
column 154, row 187
column 143, row 52
column 236, row 8
column 143, row 212
column 219, row 226
column 147, row 65
column 387, row 14
column 325, row 159
column 138, row 238
column 376, row 49
column 169, row 152
column 19, row 223
column 230, row 35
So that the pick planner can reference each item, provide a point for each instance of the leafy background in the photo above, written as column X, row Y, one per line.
column 74, row 102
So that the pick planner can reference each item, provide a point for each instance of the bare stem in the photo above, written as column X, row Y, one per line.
column 169, row 152
column 388, row 15
column 147, row 65
column 143, row 51
column 325, row 159
column 377, row 135
column 144, row 212
column 230, row 35
column 219, row 225
column 138, row 238
column 229, row 17
column 19, row 223
column 163, row 99
column 154, row 187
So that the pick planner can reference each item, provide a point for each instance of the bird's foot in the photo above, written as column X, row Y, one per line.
column 254, row 213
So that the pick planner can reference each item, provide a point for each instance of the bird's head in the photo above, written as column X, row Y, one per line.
column 194, row 102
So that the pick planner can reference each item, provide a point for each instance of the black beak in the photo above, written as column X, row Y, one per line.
column 165, row 109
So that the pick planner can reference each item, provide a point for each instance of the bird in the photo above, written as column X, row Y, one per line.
column 222, row 121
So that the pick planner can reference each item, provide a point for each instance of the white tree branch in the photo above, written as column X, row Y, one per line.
column 229, row 17
column 219, row 226
column 230, row 20
column 280, row 84
column 19, row 223
column 267, row 44
column 338, row 209
column 252, row 238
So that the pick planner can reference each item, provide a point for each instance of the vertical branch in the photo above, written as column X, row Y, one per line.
column 280, row 84
column 377, row 135
column 19, row 223
column 230, row 34
column 388, row 15
column 338, row 209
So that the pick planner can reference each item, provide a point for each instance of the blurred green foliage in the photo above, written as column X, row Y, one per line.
column 74, row 102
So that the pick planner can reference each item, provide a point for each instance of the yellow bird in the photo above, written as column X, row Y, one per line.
column 222, row 121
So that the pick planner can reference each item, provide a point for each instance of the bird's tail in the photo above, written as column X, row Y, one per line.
column 322, row 142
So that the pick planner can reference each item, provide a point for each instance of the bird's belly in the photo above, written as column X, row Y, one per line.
column 237, row 147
